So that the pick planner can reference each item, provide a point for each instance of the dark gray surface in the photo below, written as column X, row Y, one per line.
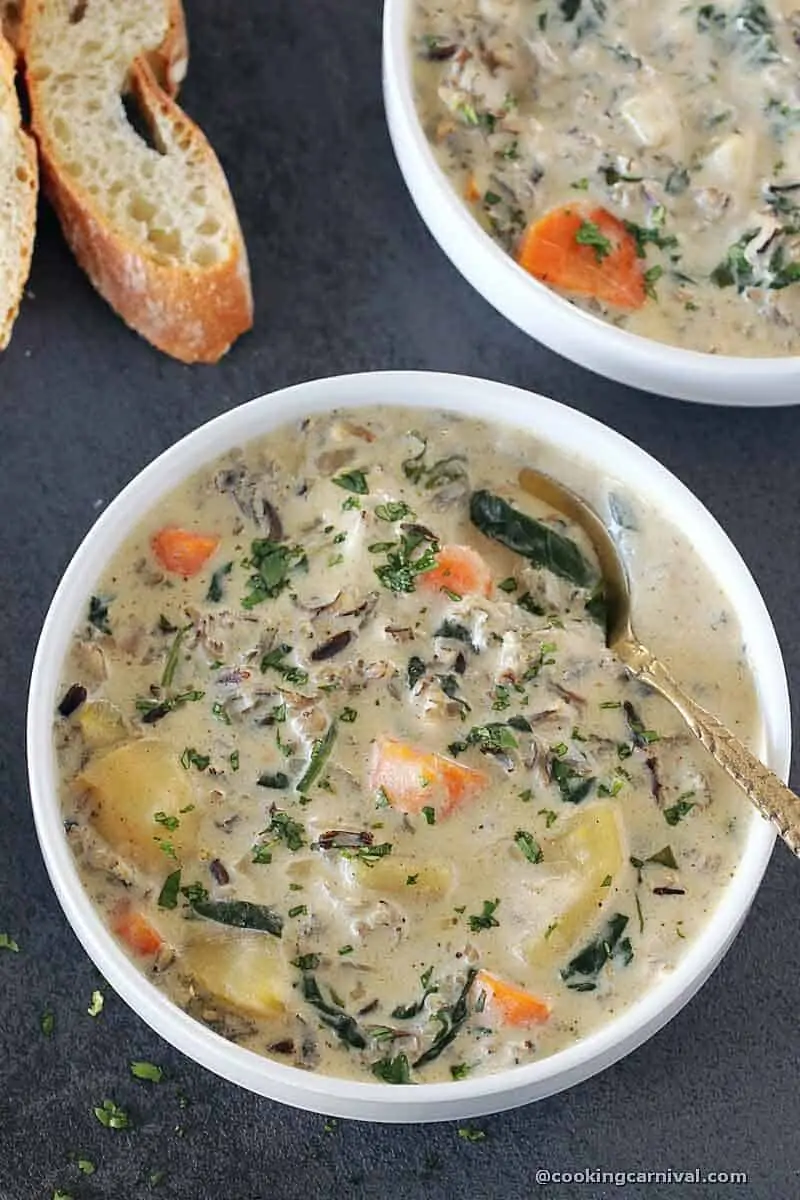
column 346, row 278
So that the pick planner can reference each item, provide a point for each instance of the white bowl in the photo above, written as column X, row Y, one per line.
column 534, row 308
column 565, row 429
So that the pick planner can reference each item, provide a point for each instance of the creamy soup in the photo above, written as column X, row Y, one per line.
column 348, row 768
column 662, row 147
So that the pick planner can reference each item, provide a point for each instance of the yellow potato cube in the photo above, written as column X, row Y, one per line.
column 102, row 724
column 127, row 787
column 392, row 874
column 244, row 973
column 591, row 849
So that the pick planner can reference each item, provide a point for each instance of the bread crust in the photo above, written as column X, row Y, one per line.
column 9, row 305
column 193, row 313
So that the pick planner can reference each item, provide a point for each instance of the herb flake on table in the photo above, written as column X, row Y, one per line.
column 96, row 1003
column 7, row 942
column 147, row 1071
column 111, row 1115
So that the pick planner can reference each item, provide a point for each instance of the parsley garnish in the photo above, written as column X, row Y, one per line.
column 111, row 1115
column 528, row 845
column 169, row 822
column 682, row 807
column 148, row 1071
column 96, row 1003
column 191, row 758
column 352, row 481
column 215, row 589
column 393, row 1070
column 273, row 661
column 429, row 813
column 401, row 568
column 486, row 918
column 393, row 510
column 98, row 613
column 589, row 234
column 270, row 563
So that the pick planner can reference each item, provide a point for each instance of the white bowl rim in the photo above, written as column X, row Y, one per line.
column 561, row 427
column 631, row 349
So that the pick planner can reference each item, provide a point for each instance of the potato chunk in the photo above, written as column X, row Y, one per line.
column 102, row 724
column 244, row 973
column 591, row 848
column 392, row 875
column 127, row 786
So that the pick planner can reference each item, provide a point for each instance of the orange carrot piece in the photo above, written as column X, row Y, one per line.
column 460, row 569
column 181, row 551
column 414, row 779
column 515, row 1006
column 550, row 250
column 136, row 931
column 471, row 191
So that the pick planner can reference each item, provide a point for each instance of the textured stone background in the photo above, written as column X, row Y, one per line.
column 346, row 278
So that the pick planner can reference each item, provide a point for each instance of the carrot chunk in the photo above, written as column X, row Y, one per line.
column 591, row 254
column 459, row 569
column 512, row 1004
column 414, row 779
column 136, row 931
column 181, row 551
column 471, row 190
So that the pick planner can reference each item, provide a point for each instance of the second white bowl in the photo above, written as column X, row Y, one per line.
column 533, row 307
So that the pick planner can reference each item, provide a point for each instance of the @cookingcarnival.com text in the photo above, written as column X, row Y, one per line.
column 623, row 1178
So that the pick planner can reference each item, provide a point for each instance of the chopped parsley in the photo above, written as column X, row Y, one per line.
column 486, row 918
column 273, row 660
column 270, row 563
column 148, row 1071
column 526, row 843
column 111, row 1115
column 590, row 234
column 169, row 822
column 469, row 1133
column 352, row 481
column 429, row 813
column 98, row 613
column 191, row 758
column 348, row 715
column 234, row 760
column 393, row 1070
column 403, row 563
column 680, row 809
column 299, row 910
column 215, row 588
column 393, row 510
column 550, row 817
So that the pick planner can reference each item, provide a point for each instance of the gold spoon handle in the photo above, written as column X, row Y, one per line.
column 766, row 791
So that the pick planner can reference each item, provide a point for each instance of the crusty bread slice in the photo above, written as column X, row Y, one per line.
column 150, row 218
column 11, row 20
column 19, row 183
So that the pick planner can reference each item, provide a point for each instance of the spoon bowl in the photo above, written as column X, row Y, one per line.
column 776, row 802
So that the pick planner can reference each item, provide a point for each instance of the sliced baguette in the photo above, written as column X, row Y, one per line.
column 11, row 21
column 19, row 183
column 153, row 225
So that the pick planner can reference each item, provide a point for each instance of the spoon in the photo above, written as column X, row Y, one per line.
column 761, row 786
